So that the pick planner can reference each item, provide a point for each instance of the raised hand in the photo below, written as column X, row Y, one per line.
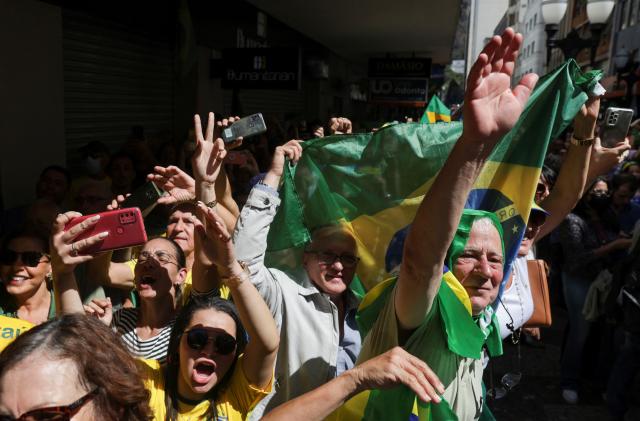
column 491, row 107
column 217, row 245
column 340, row 125
column 585, row 122
column 207, row 158
column 292, row 150
column 64, row 249
column 178, row 184
column 604, row 159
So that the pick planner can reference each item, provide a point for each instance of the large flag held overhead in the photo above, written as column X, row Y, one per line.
column 374, row 183
column 436, row 111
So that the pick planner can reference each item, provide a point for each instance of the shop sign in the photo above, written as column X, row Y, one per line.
column 261, row 68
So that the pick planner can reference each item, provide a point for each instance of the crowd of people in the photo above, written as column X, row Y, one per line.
column 193, row 324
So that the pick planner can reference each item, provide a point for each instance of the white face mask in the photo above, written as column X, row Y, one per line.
column 92, row 166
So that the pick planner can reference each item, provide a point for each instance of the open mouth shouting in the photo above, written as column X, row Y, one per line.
column 203, row 371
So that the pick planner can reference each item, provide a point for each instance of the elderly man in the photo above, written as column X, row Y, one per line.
column 315, row 311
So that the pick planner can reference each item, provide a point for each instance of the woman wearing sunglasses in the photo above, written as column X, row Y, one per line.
column 212, row 372
column 72, row 367
column 25, row 269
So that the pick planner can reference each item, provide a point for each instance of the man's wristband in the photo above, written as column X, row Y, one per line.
column 582, row 142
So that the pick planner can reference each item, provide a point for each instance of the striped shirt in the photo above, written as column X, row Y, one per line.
column 154, row 348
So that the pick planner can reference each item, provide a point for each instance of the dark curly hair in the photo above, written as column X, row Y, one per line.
column 172, row 369
column 102, row 360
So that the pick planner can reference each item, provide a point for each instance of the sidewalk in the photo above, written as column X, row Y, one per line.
column 538, row 396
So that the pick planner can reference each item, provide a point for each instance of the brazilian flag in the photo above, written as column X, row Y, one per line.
column 373, row 183
column 436, row 111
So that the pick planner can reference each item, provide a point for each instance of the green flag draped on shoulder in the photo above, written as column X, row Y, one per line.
column 436, row 111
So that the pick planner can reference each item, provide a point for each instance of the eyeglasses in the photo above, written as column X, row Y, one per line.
column 347, row 260
column 161, row 256
column 29, row 258
column 198, row 338
column 54, row 413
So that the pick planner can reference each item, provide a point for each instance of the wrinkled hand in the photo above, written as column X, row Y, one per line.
column 177, row 183
column 63, row 249
column 101, row 308
column 340, row 125
column 217, row 245
column 292, row 150
column 491, row 108
column 584, row 125
column 207, row 158
column 603, row 159
column 396, row 367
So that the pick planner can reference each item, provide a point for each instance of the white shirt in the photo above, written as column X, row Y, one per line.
column 517, row 298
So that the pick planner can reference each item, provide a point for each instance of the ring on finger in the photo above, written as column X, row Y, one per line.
column 74, row 251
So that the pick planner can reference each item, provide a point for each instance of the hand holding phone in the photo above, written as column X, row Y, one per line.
column 144, row 198
column 245, row 127
column 123, row 227
column 615, row 126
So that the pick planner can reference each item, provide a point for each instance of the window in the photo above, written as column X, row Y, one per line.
column 535, row 19
column 533, row 47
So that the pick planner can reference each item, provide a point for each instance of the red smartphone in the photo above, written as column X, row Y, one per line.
column 125, row 228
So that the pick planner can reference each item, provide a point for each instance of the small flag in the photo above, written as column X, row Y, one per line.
column 436, row 111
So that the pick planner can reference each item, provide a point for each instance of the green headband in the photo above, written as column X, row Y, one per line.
column 469, row 216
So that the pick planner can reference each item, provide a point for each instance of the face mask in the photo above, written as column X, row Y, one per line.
column 92, row 166
column 599, row 201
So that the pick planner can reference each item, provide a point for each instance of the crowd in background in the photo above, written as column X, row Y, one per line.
column 168, row 307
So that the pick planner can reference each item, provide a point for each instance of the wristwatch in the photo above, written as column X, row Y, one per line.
column 582, row 142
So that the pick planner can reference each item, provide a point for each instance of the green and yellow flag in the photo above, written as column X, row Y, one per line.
column 373, row 183
column 436, row 111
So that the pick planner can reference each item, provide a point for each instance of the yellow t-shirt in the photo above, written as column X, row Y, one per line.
column 10, row 329
column 224, row 290
column 234, row 404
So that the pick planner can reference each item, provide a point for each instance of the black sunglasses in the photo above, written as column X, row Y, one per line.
column 53, row 413
column 29, row 258
column 197, row 339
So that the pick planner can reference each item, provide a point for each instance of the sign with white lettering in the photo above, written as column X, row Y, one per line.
column 407, row 91
column 400, row 67
column 261, row 68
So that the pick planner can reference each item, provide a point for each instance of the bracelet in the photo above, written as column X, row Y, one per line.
column 236, row 280
column 582, row 142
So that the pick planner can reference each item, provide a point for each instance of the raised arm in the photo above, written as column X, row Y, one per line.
column 250, row 236
column 573, row 174
column 65, row 258
column 490, row 111
column 393, row 368
column 260, row 353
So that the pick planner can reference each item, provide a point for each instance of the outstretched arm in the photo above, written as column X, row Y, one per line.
column 393, row 368
column 260, row 353
column 491, row 109
column 573, row 174
column 64, row 259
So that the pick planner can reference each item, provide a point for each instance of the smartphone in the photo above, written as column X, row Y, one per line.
column 236, row 158
column 125, row 228
column 144, row 197
column 245, row 127
column 615, row 126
